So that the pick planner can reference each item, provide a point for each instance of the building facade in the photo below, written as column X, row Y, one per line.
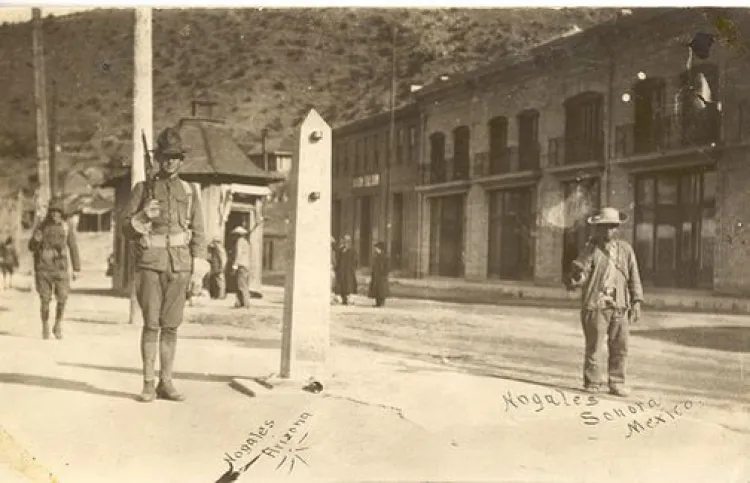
column 365, row 176
column 518, row 154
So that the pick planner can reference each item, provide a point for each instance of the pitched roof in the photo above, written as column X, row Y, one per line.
column 212, row 150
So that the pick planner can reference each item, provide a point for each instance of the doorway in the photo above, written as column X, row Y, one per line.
column 365, row 230
column 447, row 235
column 510, row 241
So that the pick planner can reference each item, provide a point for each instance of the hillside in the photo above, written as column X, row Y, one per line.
column 265, row 67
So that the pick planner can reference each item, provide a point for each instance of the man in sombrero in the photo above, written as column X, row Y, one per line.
column 607, row 271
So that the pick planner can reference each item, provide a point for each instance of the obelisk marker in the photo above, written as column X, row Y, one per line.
column 306, row 333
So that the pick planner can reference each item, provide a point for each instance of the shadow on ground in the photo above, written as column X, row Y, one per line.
column 251, row 342
column 64, row 384
column 83, row 320
column 727, row 339
column 97, row 292
column 187, row 376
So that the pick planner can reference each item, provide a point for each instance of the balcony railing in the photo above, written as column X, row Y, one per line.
column 668, row 133
column 509, row 160
column 562, row 151
column 443, row 172
column 528, row 157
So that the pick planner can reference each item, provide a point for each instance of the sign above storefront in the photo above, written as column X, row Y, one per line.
column 366, row 181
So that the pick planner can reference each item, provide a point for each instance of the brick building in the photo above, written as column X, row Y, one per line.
column 362, row 182
column 516, row 154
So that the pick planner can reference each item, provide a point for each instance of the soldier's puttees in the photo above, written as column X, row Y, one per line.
column 51, row 244
column 612, row 294
column 164, row 219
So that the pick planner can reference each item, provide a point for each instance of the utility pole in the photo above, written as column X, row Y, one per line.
column 264, row 135
column 53, row 143
column 142, row 123
column 391, row 146
column 40, row 99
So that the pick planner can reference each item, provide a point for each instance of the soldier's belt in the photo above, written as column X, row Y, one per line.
column 173, row 240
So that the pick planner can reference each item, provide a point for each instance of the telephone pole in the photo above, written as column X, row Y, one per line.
column 391, row 146
column 40, row 100
column 142, row 122
column 53, row 143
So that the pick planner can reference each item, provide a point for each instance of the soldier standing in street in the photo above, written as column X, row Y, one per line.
column 612, row 294
column 50, row 244
column 164, row 218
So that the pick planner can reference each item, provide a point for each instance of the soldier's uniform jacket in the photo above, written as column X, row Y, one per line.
column 176, row 236
column 51, row 253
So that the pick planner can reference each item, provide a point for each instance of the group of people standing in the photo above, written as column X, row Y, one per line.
column 344, row 263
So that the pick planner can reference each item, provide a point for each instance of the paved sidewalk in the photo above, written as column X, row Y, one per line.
column 504, row 292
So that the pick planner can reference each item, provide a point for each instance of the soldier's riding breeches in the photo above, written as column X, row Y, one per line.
column 161, row 296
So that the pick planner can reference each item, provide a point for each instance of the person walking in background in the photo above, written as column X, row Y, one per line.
column 334, row 257
column 51, row 243
column 164, row 217
column 217, row 257
column 240, row 262
column 607, row 270
column 379, row 277
column 346, row 266
column 9, row 261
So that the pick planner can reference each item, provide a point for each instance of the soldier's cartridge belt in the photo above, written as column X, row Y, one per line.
column 173, row 240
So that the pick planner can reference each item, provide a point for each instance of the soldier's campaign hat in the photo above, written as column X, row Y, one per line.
column 56, row 204
column 608, row 216
column 169, row 144
column 239, row 230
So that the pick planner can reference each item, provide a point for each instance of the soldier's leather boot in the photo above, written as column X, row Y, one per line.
column 45, row 318
column 149, row 341
column 167, row 350
column 149, row 392
column 57, row 330
column 166, row 390
column 59, row 310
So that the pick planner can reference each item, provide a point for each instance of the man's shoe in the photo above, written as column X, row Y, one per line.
column 592, row 388
column 165, row 390
column 57, row 330
column 619, row 391
column 45, row 331
column 149, row 392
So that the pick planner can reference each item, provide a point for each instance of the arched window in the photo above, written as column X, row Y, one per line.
column 528, row 139
column 498, row 138
column 437, row 157
column 584, row 128
column 461, row 148
column 650, row 131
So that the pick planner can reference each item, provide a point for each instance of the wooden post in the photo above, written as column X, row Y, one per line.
column 142, row 122
column 306, row 332
column 40, row 99
column 53, row 143
column 19, row 221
